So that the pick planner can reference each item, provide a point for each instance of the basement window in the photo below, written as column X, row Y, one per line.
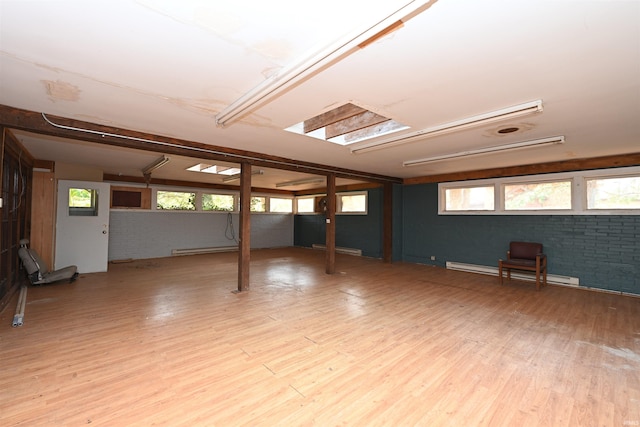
column 346, row 125
column 352, row 203
column 591, row 192
column 218, row 202
column 258, row 204
column 175, row 200
column 613, row 193
column 473, row 198
column 537, row 195
column 278, row 205
column 305, row 205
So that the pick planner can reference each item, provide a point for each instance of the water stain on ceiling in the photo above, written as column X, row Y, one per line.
column 61, row 91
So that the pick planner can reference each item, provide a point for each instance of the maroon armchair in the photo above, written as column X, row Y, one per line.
column 525, row 256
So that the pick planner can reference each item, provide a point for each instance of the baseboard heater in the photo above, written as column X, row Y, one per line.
column 196, row 251
column 493, row 271
column 348, row 251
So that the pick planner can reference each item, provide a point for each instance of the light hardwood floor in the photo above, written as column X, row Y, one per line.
column 166, row 342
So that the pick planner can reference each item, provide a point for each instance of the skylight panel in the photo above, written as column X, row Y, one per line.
column 214, row 169
column 346, row 125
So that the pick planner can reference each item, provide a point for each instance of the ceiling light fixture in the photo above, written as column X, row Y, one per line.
column 237, row 176
column 514, row 146
column 300, row 71
column 155, row 165
column 299, row 182
column 481, row 119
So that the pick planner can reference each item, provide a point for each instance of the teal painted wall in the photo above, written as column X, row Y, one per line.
column 603, row 251
column 362, row 232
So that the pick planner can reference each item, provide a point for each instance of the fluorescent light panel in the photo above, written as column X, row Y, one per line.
column 303, row 70
column 155, row 165
column 237, row 176
column 481, row 119
column 299, row 182
column 514, row 146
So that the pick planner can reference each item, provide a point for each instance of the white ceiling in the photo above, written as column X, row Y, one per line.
column 169, row 67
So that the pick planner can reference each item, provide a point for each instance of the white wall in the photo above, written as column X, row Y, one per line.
column 154, row 234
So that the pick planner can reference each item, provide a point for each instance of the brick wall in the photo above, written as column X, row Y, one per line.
column 603, row 251
column 154, row 234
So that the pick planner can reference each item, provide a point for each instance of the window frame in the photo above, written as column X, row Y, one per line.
column 503, row 202
column 614, row 211
column 295, row 205
column 338, row 203
column 196, row 199
column 442, row 202
column 200, row 201
column 280, row 198
column 578, row 192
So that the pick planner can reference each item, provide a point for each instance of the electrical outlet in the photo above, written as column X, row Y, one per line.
column 433, row 257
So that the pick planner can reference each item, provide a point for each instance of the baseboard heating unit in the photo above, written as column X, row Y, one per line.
column 493, row 271
column 348, row 251
column 196, row 251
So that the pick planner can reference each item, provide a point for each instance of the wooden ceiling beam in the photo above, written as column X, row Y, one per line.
column 35, row 122
column 191, row 184
column 337, row 114
column 352, row 124
column 605, row 162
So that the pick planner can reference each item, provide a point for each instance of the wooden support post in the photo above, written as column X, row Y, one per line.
column 244, row 253
column 330, row 240
column 387, row 219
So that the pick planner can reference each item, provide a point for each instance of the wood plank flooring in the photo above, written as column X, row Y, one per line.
column 167, row 342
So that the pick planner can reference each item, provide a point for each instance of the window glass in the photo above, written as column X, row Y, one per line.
column 539, row 195
column 353, row 202
column 280, row 205
column 613, row 193
column 176, row 200
column 83, row 202
column 470, row 199
column 218, row 202
column 306, row 205
column 258, row 204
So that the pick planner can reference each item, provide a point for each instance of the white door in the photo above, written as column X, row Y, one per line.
column 82, row 226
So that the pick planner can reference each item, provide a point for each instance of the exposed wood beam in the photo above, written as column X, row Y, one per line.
column 622, row 160
column 339, row 188
column 337, row 114
column 195, row 184
column 31, row 121
column 352, row 124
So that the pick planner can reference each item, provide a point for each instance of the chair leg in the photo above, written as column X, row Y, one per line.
column 537, row 280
